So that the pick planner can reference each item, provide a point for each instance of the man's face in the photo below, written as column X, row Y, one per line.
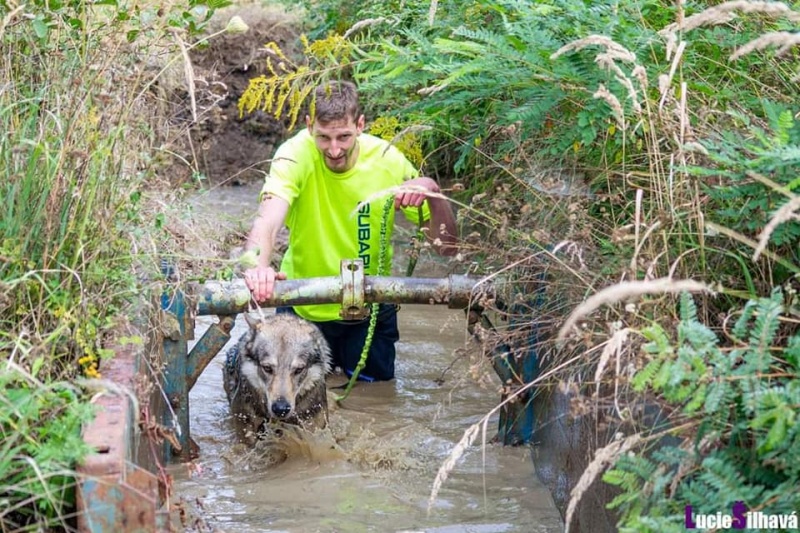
column 337, row 140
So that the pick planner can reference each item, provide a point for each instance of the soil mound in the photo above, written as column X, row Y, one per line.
column 228, row 149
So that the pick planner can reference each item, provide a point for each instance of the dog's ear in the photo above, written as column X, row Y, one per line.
column 254, row 323
column 252, row 331
column 322, row 354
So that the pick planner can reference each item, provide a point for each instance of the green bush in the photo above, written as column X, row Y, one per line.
column 40, row 425
column 738, row 407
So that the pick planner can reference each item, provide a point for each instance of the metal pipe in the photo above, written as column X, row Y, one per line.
column 229, row 298
column 209, row 345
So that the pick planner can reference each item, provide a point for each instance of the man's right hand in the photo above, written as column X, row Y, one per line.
column 261, row 282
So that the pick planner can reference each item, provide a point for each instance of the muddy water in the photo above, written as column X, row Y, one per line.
column 373, row 469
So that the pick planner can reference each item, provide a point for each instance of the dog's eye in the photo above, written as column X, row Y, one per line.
column 299, row 370
column 267, row 368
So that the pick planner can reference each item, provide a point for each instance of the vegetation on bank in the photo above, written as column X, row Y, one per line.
column 76, row 150
column 631, row 151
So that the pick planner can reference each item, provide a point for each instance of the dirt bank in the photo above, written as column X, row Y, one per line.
column 221, row 147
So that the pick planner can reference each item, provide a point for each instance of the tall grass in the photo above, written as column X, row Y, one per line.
column 77, row 125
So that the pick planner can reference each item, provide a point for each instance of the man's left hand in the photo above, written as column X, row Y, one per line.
column 413, row 198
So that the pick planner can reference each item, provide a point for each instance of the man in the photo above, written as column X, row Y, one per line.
column 316, row 182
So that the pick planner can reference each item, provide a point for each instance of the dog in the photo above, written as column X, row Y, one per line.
column 276, row 372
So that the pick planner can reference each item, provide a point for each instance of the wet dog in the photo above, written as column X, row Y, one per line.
column 277, row 372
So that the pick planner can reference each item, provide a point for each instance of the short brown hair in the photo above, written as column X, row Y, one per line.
column 336, row 100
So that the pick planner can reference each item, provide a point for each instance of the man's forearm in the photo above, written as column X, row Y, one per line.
column 442, row 226
column 264, row 233
column 261, row 241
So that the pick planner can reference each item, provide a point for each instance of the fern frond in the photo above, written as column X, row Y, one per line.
column 728, row 483
column 688, row 309
column 765, row 327
column 645, row 376
column 740, row 328
column 719, row 395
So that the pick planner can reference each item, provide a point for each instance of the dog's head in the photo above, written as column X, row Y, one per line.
column 284, row 357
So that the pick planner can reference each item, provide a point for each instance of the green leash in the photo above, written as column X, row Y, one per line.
column 373, row 318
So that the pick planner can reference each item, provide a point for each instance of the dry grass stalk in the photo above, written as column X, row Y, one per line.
column 784, row 214
column 602, row 458
column 392, row 191
column 471, row 433
column 612, row 347
column 784, row 40
column 466, row 441
column 625, row 290
column 619, row 115
column 608, row 60
column 613, row 49
column 8, row 18
column 432, row 12
column 189, row 72
column 640, row 73
column 640, row 244
column 665, row 82
column 433, row 89
column 711, row 226
column 726, row 12
column 637, row 226
column 628, row 84
column 775, row 186
column 683, row 115
column 363, row 24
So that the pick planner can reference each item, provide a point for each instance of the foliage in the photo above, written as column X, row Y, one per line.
column 72, row 170
column 680, row 120
column 389, row 128
column 40, row 426
column 744, row 405
column 754, row 175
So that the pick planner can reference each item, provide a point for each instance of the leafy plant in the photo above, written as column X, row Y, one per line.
column 753, row 175
column 40, row 427
column 743, row 404
column 71, row 174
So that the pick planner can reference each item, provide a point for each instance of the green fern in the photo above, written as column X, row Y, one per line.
column 747, row 407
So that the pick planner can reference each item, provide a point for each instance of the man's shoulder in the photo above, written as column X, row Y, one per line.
column 299, row 141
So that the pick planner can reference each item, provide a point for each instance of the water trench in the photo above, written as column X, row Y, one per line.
column 374, row 467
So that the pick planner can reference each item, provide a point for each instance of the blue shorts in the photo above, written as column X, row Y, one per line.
column 346, row 340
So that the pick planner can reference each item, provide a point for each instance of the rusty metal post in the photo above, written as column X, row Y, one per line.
column 209, row 345
column 174, row 326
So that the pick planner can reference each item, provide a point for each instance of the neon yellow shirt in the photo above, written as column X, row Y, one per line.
column 324, row 221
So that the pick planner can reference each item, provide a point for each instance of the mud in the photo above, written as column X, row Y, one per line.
column 224, row 147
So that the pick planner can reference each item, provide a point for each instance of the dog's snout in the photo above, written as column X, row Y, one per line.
column 281, row 407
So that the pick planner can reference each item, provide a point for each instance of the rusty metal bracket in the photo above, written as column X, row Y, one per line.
column 207, row 347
